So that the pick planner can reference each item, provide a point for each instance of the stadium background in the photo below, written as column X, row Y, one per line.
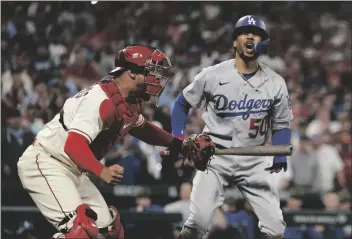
column 49, row 51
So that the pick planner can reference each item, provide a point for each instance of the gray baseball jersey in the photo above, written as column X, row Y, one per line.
column 239, row 112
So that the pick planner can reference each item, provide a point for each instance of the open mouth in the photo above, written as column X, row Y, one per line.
column 249, row 45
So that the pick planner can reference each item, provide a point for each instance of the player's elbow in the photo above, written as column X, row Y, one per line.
column 182, row 102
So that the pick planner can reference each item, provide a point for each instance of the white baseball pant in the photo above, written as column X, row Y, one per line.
column 56, row 190
column 256, row 185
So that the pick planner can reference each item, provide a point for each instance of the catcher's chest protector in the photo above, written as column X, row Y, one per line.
column 126, row 115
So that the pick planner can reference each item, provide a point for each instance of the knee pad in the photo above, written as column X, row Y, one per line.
column 115, row 229
column 79, row 224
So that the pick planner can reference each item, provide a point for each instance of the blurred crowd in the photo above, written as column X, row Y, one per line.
column 50, row 51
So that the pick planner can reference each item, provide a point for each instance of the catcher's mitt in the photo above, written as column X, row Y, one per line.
column 198, row 149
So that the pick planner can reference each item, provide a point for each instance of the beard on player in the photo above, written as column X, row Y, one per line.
column 138, row 93
column 247, row 52
column 245, row 46
column 147, row 88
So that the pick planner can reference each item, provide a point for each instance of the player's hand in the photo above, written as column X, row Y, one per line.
column 279, row 163
column 174, row 150
column 112, row 174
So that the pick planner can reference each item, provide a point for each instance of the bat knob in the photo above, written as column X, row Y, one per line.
column 290, row 149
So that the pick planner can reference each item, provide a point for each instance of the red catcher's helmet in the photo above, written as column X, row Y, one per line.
column 145, row 60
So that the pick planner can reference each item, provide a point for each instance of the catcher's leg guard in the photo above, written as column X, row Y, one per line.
column 79, row 224
column 115, row 229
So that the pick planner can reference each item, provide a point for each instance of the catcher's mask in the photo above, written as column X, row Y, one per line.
column 145, row 60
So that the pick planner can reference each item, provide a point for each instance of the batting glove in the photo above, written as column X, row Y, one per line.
column 261, row 47
column 279, row 162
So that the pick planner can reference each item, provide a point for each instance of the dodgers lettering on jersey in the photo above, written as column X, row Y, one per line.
column 237, row 112
column 244, row 107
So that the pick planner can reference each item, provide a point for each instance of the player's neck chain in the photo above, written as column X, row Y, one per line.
column 256, row 88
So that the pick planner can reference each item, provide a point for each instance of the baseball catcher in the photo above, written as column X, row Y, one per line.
column 53, row 169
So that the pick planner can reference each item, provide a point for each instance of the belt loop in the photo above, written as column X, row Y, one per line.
column 219, row 146
column 223, row 137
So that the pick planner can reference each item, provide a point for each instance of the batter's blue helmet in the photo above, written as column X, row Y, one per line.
column 257, row 26
column 250, row 21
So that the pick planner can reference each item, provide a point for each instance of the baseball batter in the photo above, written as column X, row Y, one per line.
column 245, row 101
column 53, row 169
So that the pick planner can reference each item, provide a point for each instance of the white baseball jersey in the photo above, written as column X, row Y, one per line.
column 83, row 115
column 239, row 112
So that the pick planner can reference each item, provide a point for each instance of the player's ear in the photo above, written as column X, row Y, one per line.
column 235, row 43
column 132, row 75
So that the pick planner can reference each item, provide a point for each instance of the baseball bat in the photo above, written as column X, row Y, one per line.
column 266, row 150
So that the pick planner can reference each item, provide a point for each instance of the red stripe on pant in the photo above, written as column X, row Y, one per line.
column 46, row 180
